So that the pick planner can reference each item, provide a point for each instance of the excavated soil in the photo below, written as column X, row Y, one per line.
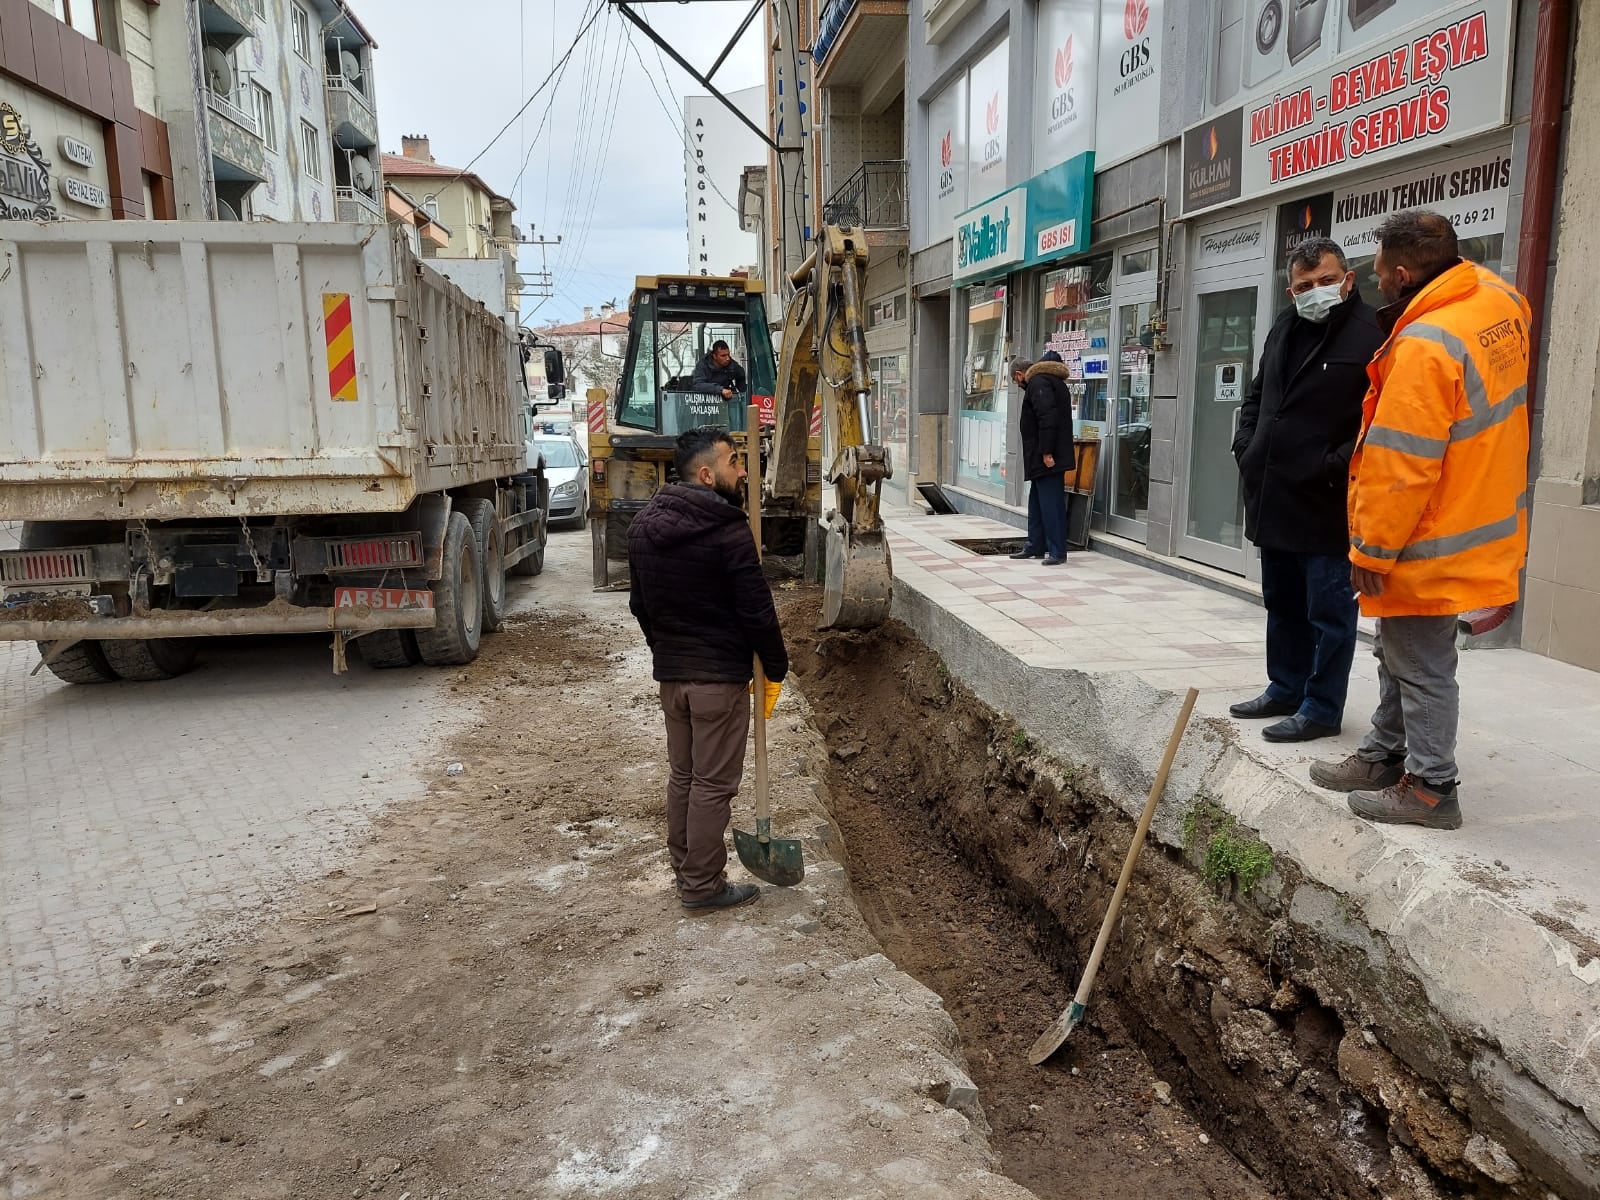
column 985, row 869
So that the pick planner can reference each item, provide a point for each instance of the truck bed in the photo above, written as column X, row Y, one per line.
column 163, row 370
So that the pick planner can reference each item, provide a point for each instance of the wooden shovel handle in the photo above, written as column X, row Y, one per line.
column 752, row 492
column 1156, row 788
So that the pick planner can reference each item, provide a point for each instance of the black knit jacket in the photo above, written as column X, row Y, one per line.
column 698, row 592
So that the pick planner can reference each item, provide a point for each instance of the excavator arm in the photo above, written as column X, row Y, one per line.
column 824, row 362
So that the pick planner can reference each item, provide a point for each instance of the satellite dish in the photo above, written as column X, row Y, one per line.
column 225, row 211
column 361, row 173
column 349, row 66
column 219, row 72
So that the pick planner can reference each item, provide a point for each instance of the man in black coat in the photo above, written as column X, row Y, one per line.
column 1047, row 455
column 717, row 374
column 1297, row 430
column 706, row 610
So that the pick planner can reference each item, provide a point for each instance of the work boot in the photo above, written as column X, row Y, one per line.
column 1355, row 773
column 732, row 895
column 1411, row 801
column 1026, row 553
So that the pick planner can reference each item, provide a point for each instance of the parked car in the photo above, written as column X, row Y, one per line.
column 566, row 466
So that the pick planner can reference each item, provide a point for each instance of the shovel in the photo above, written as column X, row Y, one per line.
column 774, row 860
column 1052, row 1038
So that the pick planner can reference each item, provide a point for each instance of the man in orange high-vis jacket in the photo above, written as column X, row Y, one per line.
column 1438, row 516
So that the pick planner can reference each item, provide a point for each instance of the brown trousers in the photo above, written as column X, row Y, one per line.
column 707, row 724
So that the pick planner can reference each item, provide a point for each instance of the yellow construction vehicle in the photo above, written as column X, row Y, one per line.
column 815, row 406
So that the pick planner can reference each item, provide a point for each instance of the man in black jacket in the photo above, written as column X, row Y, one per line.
column 705, row 608
column 1047, row 455
column 717, row 374
column 1297, row 429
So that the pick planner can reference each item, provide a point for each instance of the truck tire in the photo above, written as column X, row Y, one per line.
column 492, row 553
column 457, row 600
column 388, row 648
column 85, row 662
column 149, row 660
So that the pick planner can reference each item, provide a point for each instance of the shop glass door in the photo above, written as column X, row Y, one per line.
column 1225, row 350
column 1128, row 466
column 981, row 436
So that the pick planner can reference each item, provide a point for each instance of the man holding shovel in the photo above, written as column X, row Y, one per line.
column 707, row 613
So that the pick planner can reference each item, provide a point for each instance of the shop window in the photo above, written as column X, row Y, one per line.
column 310, row 150
column 892, row 405
column 981, row 447
column 1139, row 262
column 886, row 310
column 1076, row 323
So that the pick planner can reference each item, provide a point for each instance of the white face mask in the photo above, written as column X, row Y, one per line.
column 1316, row 304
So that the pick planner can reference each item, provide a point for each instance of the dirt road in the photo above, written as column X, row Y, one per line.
column 499, row 995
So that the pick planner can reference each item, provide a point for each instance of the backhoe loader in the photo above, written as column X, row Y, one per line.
column 815, row 403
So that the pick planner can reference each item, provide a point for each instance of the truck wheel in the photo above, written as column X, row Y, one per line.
column 83, row 663
column 457, row 600
column 390, row 648
column 492, row 553
column 150, row 660
column 540, row 532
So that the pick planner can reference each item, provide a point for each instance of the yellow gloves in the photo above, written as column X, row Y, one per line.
column 771, row 699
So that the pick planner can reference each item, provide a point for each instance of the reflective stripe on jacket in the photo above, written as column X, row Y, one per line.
column 1440, row 473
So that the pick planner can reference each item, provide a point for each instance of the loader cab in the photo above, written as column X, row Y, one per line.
column 674, row 322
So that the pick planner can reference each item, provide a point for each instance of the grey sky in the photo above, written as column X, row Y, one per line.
column 621, row 213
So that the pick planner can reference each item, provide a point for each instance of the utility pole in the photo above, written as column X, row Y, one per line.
column 540, row 284
column 792, row 114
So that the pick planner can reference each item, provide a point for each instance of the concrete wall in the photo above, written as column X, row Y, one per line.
column 1561, row 606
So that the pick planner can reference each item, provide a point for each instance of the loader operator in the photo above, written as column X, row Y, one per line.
column 717, row 373
column 706, row 610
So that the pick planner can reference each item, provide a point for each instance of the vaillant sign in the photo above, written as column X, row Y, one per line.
column 1434, row 82
column 992, row 236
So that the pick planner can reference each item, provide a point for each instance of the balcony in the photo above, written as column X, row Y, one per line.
column 236, row 147
column 861, row 43
column 873, row 199
column 352, row 204
column 350, row 117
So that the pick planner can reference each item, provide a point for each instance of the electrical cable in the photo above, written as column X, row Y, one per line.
column 676, row 119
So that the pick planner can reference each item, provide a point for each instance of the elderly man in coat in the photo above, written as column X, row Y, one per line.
column 1047, row 455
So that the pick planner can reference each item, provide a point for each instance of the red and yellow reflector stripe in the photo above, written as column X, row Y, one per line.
column 337, row 329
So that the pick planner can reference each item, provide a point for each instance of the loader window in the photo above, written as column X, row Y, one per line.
column 639, row 405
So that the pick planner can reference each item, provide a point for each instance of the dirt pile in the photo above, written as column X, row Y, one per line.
column 985, row 868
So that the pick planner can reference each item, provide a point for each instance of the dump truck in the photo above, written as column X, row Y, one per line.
column 215, row 429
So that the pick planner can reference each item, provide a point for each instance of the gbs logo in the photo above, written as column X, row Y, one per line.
column 1065, row 100
column 1134, row 19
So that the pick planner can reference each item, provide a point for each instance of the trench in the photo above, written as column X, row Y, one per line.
column 1202, row 1069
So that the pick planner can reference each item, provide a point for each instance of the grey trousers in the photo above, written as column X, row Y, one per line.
column 1419, row 704
column 707, row 724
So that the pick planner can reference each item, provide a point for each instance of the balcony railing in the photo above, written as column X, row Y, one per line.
column 828, row 28
column 872, row 198
column 338, row 83
column 225, row 107
column 351, row 195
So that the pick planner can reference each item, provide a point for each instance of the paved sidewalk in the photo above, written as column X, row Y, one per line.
column 1497, row 923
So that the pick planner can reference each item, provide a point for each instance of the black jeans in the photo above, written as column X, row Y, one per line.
column 1047, row 515
column 1311, row 631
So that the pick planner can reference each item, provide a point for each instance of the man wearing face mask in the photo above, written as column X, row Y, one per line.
column 704, row 606
column 1297, row 429
column 1438, row 517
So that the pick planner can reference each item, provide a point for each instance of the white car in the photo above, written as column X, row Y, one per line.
column 566, row 468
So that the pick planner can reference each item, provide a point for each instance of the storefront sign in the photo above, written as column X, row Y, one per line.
column 81, row 191
column 947, row 156
column 24, row 171
column 990, row 237
column 1219, row 246
column 75, row 151
column 1128, row 98
column 1303, row 221
column 1212, row 152
column 1050, row 212
column 1065, row 64
column 988, row 107
column 1473, row 190
column 1441, row 80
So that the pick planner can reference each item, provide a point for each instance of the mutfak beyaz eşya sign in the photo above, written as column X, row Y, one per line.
column 1441, row 80
column 991, row 236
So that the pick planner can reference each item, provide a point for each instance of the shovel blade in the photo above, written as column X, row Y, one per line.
column 776, row 861
column 1053, row 1038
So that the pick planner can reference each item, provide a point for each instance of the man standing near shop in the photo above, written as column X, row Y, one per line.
column 1297, row 430
column 1438, row 522
column 1047, row 455
column 704, row 606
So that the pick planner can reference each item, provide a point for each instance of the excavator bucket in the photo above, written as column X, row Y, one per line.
column 858, row 584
